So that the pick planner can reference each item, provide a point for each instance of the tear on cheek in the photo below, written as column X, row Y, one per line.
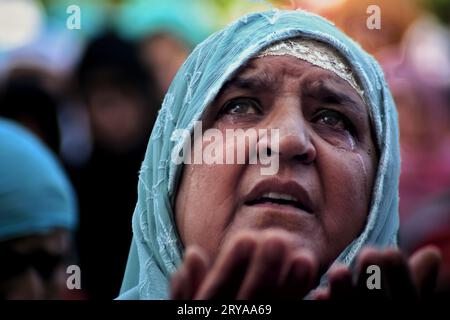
column 344, row 141
column 361, row 162
column 340, row 139
column 363, row 173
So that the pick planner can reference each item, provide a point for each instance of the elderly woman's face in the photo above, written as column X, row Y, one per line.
column 327, row 161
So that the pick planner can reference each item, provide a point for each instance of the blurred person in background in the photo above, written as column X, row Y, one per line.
column 115, row 88
column 25, row 99
column 166, row 32
column 163, row 53
column 38, row 215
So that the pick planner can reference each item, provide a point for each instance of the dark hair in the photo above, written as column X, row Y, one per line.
column 25, row 100
column 113, row 60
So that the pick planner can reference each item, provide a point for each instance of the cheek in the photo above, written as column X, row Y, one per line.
column 205, row 203
column 207, row 198
column 347, row 179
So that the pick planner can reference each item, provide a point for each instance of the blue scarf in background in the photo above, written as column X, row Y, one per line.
column 35, row 193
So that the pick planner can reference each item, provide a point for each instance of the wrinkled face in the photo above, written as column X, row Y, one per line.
column 327, row 161
column 117, row 116
column 33, row 267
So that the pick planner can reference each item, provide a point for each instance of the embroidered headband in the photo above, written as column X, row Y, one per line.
column 316, row 53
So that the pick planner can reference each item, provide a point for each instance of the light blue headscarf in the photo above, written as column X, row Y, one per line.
column 35, row 194
column 156, row 250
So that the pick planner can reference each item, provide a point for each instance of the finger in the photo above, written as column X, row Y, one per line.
column 425, row 264
column 264, row 273
column 179, row 284
column 340, row 283
column 321, row 294
column 366, row 284
column 227, row 273
column 197, row 264
column 301, row 275
column 397, row 276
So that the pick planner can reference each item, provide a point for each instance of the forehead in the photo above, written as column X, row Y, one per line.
column 285, row 64
column 269, row 73
column 276, row 68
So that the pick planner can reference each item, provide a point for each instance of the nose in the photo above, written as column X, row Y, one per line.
column 294, row 143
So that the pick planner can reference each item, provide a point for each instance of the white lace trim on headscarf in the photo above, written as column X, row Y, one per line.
column 317, row 53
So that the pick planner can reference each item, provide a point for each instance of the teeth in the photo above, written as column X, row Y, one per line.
column 276, row 195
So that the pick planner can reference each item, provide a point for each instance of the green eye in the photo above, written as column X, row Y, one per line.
column 241, row 107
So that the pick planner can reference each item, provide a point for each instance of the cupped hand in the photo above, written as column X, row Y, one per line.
column 400, row 278
column 252, row 265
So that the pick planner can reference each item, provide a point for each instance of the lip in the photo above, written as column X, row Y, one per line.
column 289, row 187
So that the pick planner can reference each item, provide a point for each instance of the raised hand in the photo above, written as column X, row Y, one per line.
column 401, row 278
column 252, row 265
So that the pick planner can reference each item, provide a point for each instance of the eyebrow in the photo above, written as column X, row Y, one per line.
column 261, row 81
column 318, row 89
column 327, row 94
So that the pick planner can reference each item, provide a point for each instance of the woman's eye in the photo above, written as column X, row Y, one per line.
column 241, row 107
column 332, row 119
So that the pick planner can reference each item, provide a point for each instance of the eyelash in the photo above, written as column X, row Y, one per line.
column 234, row 102
column 348, row 125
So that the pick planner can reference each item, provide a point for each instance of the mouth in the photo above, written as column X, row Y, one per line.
column 279, row 195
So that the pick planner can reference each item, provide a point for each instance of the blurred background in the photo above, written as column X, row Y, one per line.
column 90, row 89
